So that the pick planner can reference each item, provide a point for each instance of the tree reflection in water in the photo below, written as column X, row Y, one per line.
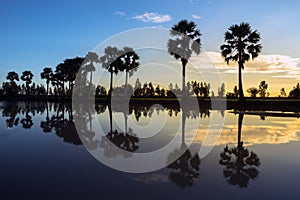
column 116, row 142
column 185, row 169
column 240, row 165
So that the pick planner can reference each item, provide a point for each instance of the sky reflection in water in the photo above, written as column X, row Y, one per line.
column 43, row 157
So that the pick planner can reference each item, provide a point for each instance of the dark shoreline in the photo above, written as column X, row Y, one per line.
column 270, row 103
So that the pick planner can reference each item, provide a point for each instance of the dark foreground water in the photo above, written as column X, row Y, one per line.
column 257, row 156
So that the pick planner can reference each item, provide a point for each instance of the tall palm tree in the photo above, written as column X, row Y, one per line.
column 130, row 64
column 112, row 62
column 241, row 44
column 90, row 59
column 27, row 76
column 186, row 40
column 46, row 74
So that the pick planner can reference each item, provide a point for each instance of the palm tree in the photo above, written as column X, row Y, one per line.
column 186, row 41
column 130, row 65
column 72, row 66
column 112, row 62
column 90, row 59
column 11, row 87
column 262, row 88
column 61, row 76
column 27, row 76
column 12, row 76
column 241, row 44
column 46, row 74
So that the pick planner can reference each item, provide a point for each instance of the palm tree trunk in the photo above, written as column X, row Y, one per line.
column 111, row 84
column 240, row 122
column 241, row 92
column 47, row 88
column 126, row 119
column 126, row 84
column 91, row 78
column 110, row 118
column 183, row 119
column 240, row 143
column 184, row 62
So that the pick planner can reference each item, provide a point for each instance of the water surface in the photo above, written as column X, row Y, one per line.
column 42, row 156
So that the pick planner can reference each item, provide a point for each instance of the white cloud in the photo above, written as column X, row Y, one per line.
column 120, row 13
column 153, row 17
column 287, row 66
column 196, row 17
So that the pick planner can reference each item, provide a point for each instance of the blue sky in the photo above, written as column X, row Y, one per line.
column 36, row 34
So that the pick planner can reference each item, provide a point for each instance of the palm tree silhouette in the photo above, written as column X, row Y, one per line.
column 186, row 41
column 241, row 44
column 130, row 64
column 12, row 76
column 46, row 74
column 27, row 77
column 112, row 62
column 240, row 165
column 89, row 61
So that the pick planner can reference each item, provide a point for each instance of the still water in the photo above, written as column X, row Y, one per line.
column 42, row 156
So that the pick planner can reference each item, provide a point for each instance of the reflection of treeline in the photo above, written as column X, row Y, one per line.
column 59, row 117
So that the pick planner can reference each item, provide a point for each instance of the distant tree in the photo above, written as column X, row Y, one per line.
column 188, row 88
column 205, row 89
column 162, row 93
column 46, row 74
column 55, row 82
column 221, row 90
column 157, row 90
column 137, row 88
column 11, row 87
column 150, row 90
column 89, row 64
column 241, row 44
column 112, row 62
column 295, row 92
column 235, row 91
column 68, row 71
column 61, row 77
column 253, row 91
column 27, row 77
column 195, row 87
column 263, row 86
column 282, row 92
column 12, row 76
column 100, row 91
column 186, row 41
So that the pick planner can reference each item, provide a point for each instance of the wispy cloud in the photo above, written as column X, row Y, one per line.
column 287, row 66
column 153, row 17
column 120, row 13
column 196, row 16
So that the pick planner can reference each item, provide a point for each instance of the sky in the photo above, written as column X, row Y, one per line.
column 38, row 34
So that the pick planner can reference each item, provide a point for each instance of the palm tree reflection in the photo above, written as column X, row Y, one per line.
column 240, row 166
column 185, row 169
column 115, row 142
